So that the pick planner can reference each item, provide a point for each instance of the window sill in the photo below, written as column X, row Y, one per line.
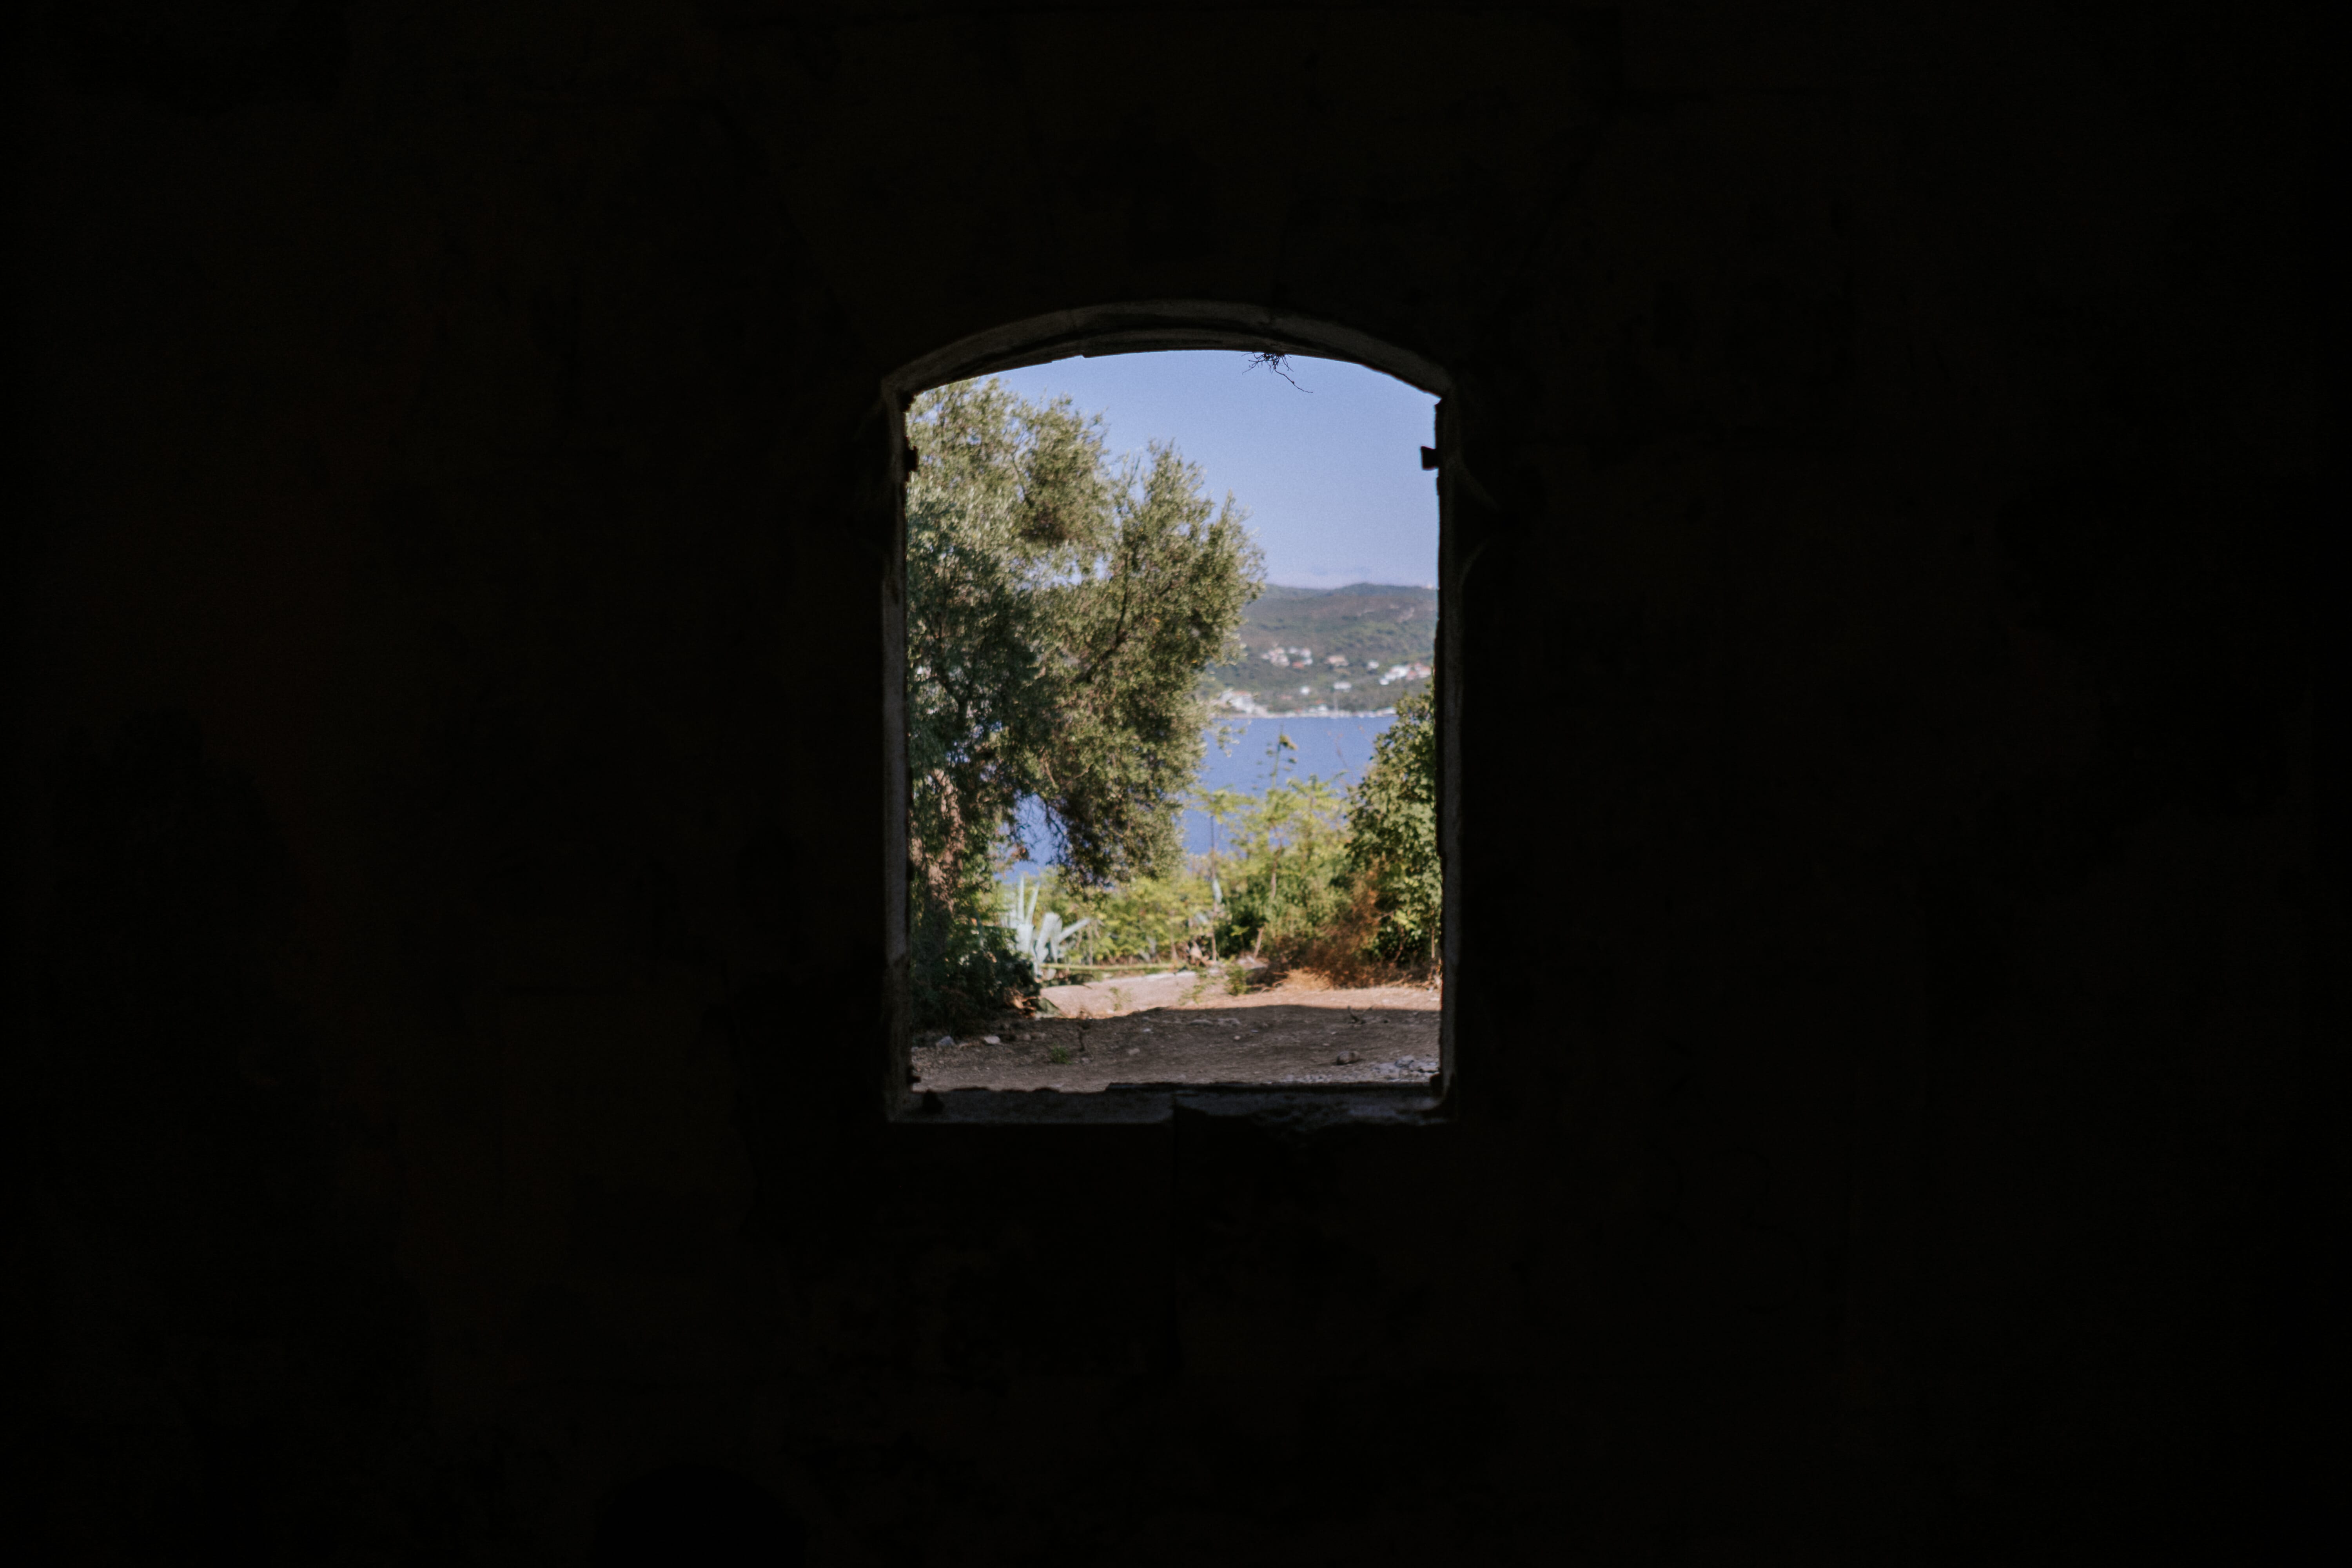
column 1305, row 1107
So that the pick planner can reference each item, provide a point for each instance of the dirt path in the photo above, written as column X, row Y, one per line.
column 1292, row 1033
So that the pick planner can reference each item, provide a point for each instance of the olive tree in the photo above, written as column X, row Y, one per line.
column 1062, row 607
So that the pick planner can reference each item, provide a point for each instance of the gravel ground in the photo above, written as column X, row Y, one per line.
column 1292, row 1035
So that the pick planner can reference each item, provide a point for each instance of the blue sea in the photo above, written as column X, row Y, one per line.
column 1335, row 749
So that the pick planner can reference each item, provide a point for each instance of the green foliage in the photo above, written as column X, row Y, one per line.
column 1060, row 611
column 1393, row 835
column 1288, row 880
column 1148, row 920
column 1274, row 887
column 1302, row 875
column 963, row 972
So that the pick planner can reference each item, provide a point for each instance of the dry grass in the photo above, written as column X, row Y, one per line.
column 1338, row 958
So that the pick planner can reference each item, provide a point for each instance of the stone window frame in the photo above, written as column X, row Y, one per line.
column 1146, row 328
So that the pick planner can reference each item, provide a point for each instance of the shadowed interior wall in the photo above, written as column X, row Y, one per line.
column 450, row 748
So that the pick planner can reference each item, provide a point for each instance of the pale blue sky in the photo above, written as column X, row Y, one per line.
column 1331, row 474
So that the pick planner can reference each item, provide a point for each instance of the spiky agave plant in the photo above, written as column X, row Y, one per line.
column 1041, row 942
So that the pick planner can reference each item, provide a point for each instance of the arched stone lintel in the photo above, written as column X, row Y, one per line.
column 1151, row 326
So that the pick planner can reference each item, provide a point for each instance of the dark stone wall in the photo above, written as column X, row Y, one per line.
column 1891, row 1119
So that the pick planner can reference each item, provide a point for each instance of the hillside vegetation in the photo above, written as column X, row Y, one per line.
column 1373, row 627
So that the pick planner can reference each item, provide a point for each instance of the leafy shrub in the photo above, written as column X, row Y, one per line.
column 1392, row 837
column 1346, row 951
column 963, row 968
column 1349, row 887
column 1147, row 919
column 1289, row 882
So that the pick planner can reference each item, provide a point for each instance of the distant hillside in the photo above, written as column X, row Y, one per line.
column 1373, row 626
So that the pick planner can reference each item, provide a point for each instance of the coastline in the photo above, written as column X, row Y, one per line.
column 1320, row 710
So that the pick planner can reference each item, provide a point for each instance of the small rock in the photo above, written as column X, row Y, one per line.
column 1135, row 1050
column 989, row 1040
column 1344, row 1058
column 944, row 1041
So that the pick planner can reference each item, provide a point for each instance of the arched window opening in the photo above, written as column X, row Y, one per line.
column 1164, row 633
